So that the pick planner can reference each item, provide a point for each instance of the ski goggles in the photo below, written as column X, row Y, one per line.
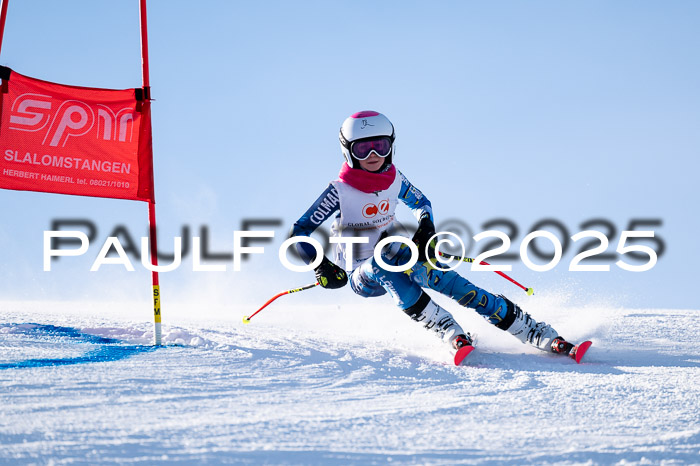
column 363, row 148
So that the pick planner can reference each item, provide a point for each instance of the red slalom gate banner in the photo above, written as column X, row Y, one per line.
column 74, row 140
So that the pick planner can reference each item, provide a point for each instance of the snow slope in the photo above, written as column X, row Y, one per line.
column 350, row 384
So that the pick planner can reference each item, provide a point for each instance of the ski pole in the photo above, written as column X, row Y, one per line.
column 529, row 291
column 246, row 319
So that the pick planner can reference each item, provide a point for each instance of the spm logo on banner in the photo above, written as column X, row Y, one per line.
column 74, row 140
column 72, row 118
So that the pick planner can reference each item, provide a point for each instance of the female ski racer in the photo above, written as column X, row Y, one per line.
column 363, row 200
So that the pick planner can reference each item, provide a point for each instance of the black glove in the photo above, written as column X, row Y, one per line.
column 425, row 231
column 330, row 275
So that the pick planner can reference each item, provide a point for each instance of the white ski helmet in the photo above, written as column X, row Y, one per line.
column 365, row 125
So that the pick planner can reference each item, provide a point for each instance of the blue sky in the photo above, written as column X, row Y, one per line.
column 522, row 111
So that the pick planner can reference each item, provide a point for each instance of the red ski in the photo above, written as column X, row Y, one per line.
column 563, row 347
column 578, row 351
column 462, row 354
column 574, row 352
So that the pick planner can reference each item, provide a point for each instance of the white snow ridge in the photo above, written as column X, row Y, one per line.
column 315, row 385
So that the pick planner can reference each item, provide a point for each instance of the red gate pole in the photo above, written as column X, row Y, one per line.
column 151, row 204
column 3, row 16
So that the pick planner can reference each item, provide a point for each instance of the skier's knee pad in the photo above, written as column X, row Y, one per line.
column 364, row 286
column 369, row 280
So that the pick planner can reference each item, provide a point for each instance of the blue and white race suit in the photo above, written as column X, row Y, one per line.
column 357, row 213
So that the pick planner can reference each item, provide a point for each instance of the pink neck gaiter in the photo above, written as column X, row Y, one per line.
column 367, row 182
